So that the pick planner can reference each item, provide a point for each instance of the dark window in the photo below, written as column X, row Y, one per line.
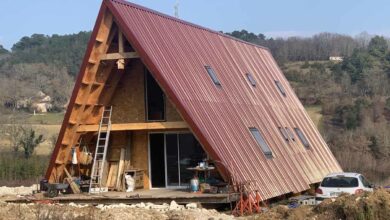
column 340, row 182
column 157, row 161
column 261, row 142
column 290, row 133
column 251, row 79
column 155, row 100
column 213, row 76
column 302, row 137
column 284, row 133
column 280, row 87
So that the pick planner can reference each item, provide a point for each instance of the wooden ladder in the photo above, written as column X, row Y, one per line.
column 95, row 185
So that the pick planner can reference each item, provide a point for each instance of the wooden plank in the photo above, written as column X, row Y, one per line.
column 111, row 181
column 120, row 55
column 137, row 126
column 120, row 169
column 109, row 177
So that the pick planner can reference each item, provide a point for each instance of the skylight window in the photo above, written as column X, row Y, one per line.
column 251, row 80
column 284, row 133
column 213, row 76
column 280, row 87
column 290, row 133
column 302, row 137
column 261, row 142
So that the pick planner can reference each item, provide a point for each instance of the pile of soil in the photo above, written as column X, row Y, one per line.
column 368, row 206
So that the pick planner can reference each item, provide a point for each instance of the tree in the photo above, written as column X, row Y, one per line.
column 378, row 46
column 3, row 50
column 14, row 134
column 29, row 141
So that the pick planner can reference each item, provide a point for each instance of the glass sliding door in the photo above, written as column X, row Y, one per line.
column 190, row 154
column 171, row 154
column 172, row 159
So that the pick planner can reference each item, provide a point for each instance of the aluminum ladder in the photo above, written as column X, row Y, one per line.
column 95, row 184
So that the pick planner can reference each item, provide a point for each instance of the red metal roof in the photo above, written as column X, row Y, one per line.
column 176, row 52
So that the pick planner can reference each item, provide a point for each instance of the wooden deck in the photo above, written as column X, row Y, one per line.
column 156, row 196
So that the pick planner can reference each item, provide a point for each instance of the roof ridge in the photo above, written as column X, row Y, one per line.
column 140, row 7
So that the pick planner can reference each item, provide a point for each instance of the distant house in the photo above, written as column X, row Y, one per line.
column 41, row 103
column 181, row 93
column 336, row 58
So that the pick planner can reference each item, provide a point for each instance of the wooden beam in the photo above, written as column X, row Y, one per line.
column 71, row 136
column 121, row 44
column 137, row 126
column 120, row 55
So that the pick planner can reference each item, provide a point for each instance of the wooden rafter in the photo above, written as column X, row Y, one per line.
column 82, row 105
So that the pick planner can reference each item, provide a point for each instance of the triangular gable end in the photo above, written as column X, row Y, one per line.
column 104, row 67
column 221, row 117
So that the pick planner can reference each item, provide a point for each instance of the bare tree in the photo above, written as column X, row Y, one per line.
column 29, row 141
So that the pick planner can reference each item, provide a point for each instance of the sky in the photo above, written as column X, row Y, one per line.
column 274, row 18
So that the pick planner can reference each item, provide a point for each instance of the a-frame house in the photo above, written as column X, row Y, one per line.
column 181, row 93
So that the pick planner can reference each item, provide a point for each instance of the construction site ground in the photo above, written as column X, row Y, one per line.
column 364, row 206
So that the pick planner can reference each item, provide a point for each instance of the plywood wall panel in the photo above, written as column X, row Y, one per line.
column 129, row 98
column 139, row 154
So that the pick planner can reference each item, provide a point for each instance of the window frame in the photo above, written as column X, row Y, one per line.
column 261, row 142
column 302, row 138
column 284, row 133
column 251, row 79
column 290, row 133
column 280, row 87
column 213, row 75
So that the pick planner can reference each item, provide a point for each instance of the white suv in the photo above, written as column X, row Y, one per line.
column 336, row 183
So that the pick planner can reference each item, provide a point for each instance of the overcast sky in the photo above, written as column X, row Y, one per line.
column 282, row 18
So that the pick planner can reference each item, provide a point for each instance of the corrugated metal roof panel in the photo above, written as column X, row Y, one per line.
column 176, row 53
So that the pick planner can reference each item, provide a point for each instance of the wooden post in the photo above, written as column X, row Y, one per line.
column 120, row 62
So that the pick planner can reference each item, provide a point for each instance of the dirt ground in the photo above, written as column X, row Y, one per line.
column 367, row 206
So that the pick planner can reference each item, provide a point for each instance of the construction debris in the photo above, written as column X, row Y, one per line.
column 374, row 205
column 117, row 211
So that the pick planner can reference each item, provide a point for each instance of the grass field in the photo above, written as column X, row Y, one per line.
column 48, row 125
column 315, row 114
column 47, row 119
column 45, row 148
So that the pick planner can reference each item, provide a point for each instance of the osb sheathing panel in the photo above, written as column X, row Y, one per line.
column 129, row 98
column 118, row 140
column 171, row 112
column 139, row 154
